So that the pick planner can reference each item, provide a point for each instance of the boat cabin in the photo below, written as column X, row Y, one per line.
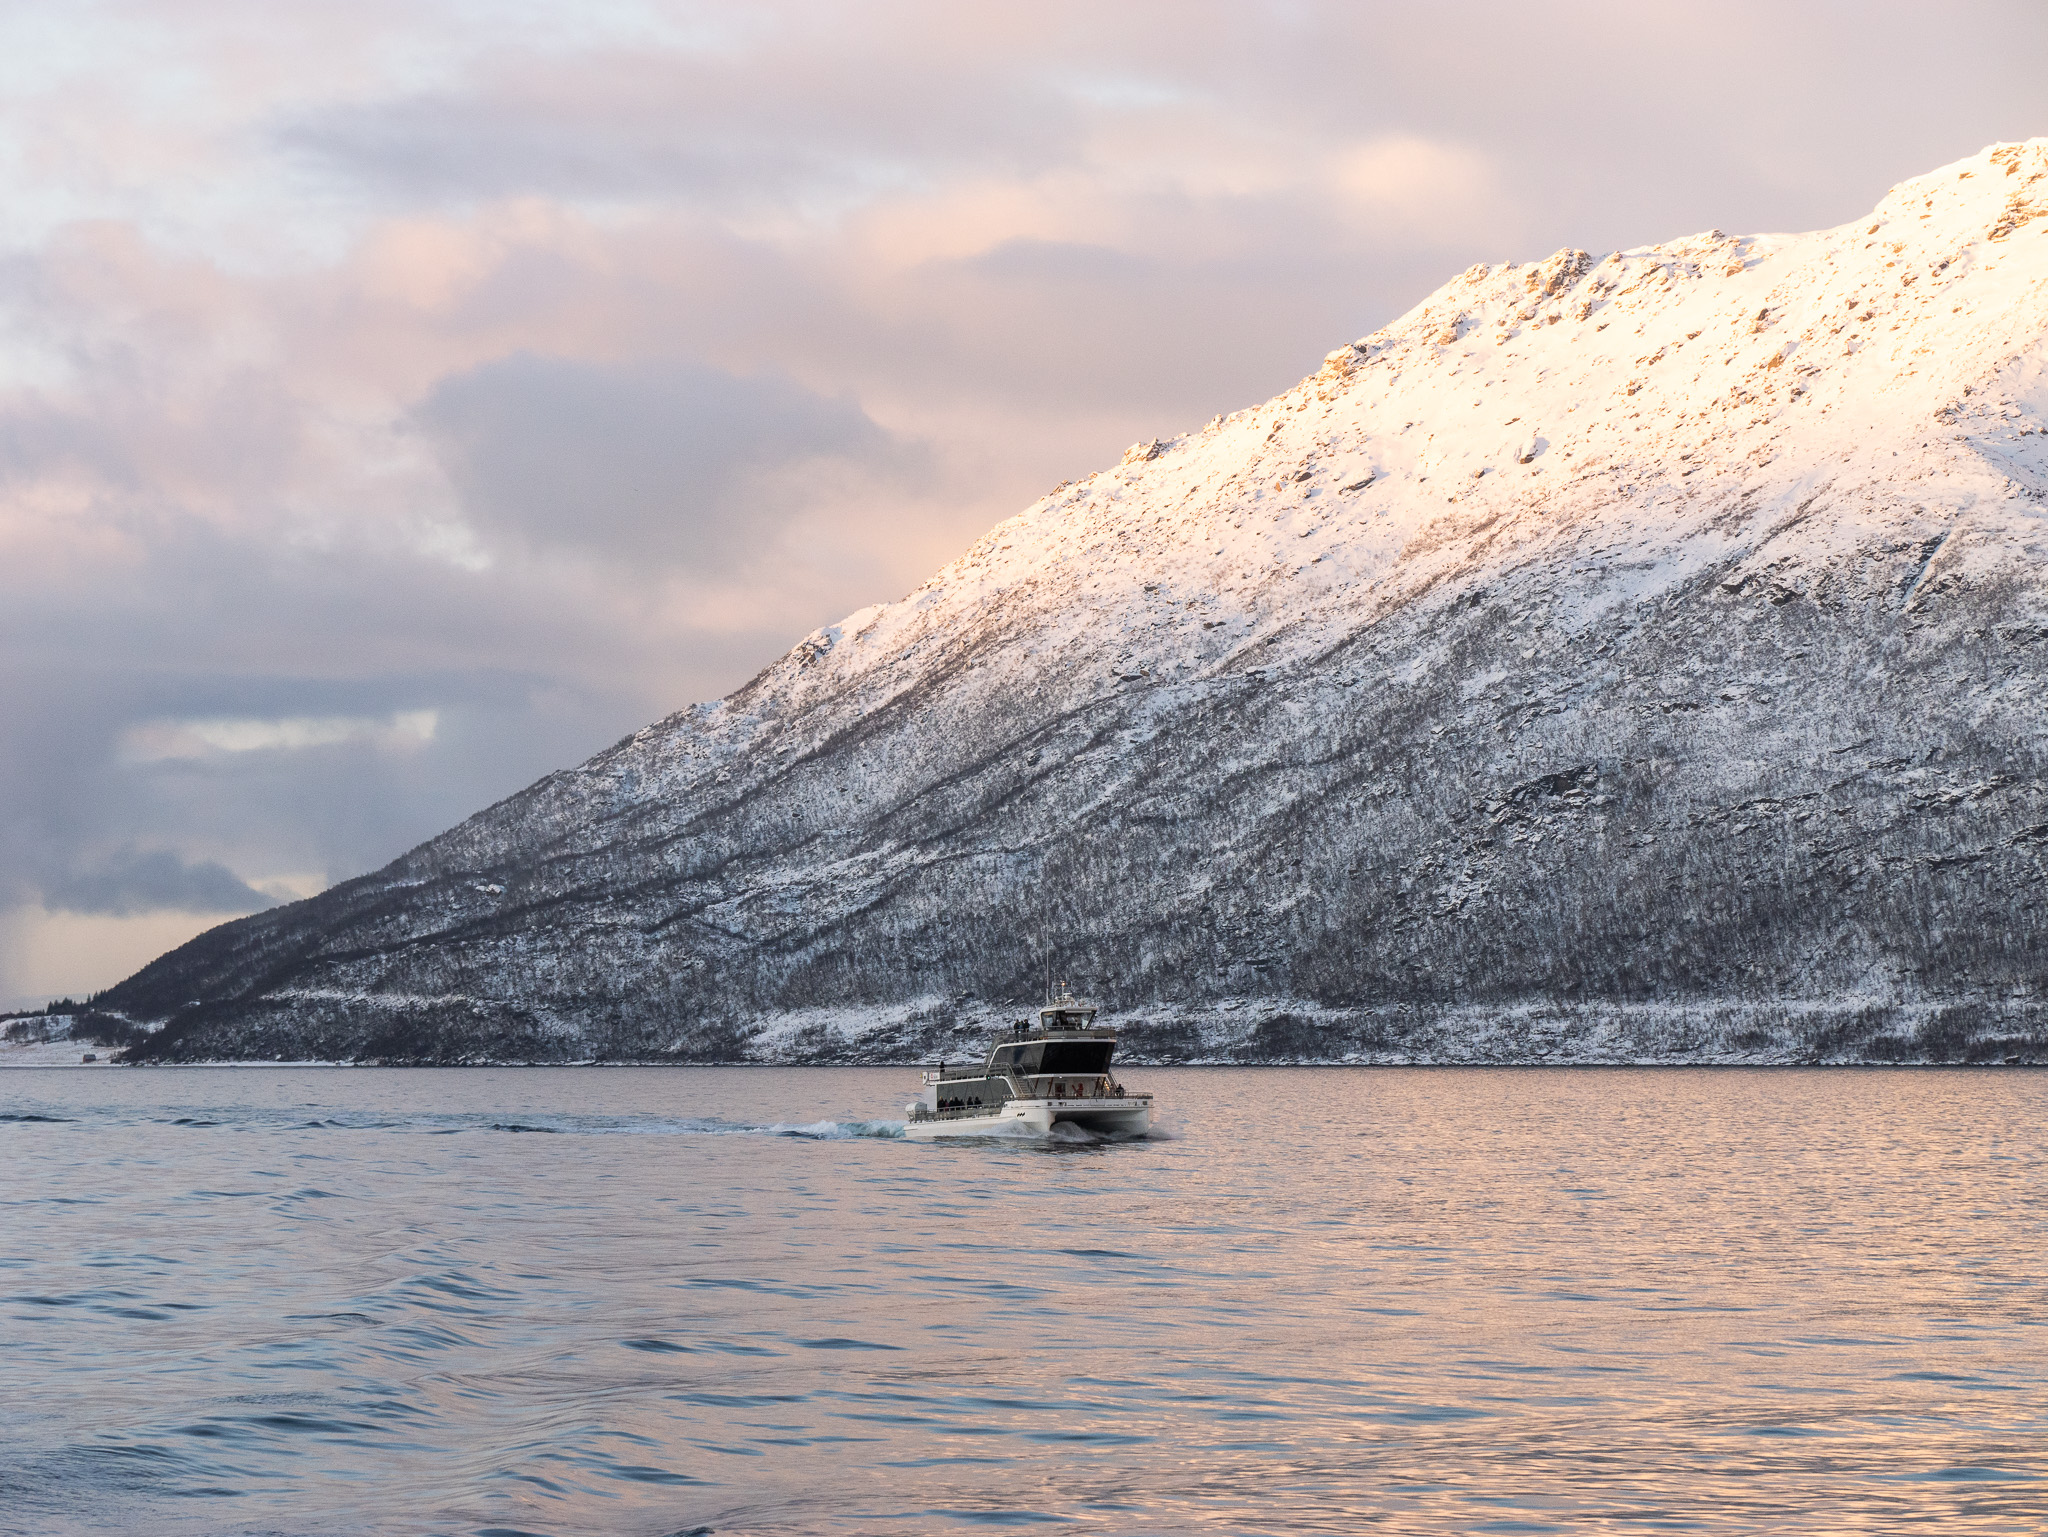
column 1066, row 1057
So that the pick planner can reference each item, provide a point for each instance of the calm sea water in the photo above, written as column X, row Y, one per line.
column 734, row 1301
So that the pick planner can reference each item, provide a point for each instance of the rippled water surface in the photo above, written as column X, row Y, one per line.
column 673, row 1300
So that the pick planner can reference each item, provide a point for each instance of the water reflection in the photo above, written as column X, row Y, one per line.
column 628, row 1301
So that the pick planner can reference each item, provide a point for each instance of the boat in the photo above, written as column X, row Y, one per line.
column 1033, row 1080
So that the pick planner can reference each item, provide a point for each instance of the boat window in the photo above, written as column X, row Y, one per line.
column 1085, row 1058
column 972, row 1094
column 1025, row 1058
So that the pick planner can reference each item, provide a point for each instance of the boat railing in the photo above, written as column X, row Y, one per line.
column 1117, row 1094
column 1022, row 1088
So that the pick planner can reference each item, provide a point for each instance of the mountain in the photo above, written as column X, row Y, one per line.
column 1636, row 657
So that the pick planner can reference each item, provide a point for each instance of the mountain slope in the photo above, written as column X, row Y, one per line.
column 1618, row 658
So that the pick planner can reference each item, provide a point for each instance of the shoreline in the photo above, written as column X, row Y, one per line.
column 1204, row 1064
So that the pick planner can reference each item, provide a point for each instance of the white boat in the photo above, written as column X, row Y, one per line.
column 1032, row 1081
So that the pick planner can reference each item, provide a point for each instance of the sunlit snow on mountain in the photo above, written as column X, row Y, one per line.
column 1632, row 657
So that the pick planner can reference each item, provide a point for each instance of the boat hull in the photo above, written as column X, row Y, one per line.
column 1129, row 1117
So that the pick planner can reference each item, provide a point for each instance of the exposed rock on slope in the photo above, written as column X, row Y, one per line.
column 1623, row 658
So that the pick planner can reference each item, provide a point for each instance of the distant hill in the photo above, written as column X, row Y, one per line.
column 1637, row 657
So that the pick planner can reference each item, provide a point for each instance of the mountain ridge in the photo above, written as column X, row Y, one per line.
column 1611, row 659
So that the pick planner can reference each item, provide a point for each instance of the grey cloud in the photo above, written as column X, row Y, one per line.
column 435, row 147
column 199, row 624
column 819, row 105
column 664, row 460
column 38, row 438
column 134, row 881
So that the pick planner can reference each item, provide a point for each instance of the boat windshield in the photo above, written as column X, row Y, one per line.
column 1067, row 1058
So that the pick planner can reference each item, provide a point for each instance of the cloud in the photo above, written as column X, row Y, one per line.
column 157, row 740
column 818, row 108
column 666, row 461
column 134, row 881
column 1422, row 189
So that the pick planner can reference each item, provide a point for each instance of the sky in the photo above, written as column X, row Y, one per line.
column 399, row 401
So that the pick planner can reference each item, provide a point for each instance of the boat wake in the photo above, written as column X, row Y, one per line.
column 456, row 1123
column 829, row 1131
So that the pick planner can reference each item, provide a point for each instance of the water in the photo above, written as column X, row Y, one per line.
column 674, row 1300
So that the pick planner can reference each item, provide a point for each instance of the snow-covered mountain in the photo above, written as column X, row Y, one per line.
column 1625, row 657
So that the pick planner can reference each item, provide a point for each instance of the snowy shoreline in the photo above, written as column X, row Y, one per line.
column 1842, row 1031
